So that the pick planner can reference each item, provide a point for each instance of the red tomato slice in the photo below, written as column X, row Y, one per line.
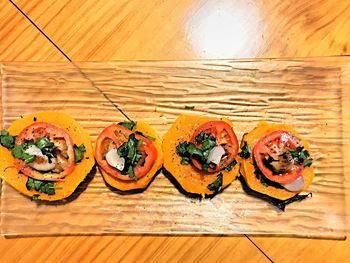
column 225, row 137
column 114, row 136
column 39, row 130
column 275, row 144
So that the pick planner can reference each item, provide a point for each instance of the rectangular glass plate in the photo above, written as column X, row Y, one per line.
column 311, row 94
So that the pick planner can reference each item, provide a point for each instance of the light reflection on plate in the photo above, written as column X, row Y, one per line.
column 222, row 29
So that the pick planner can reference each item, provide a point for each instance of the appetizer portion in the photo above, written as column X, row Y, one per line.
column 129, row 155
column 200, row 153
column 45, row 155
column 275, row 161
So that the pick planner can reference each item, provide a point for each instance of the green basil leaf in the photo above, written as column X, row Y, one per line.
column 146, row 136
column 230, row 166
column 185, row 160
column 208, row 144
column 7, row 141
column 202, row 136
column 308, row 163
column 45, row 187
column 4, row 133
column 131, row 173
column 44, row 142
column 217, row 184
column 299, row 155
column 193, row 150
column 35, row 197
column 17, row 151
column 79, row 152
column 181, row 149
column 245, row 151
column 205, row 167
column 28, row 158
column 128, row 124
column 189, row 107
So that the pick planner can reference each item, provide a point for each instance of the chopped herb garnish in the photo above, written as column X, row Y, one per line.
column 263, row 180
column 128, row 124
column 181, row 148
column 44, row 142
column 308, row 163
column 202, row 136
column 35, row 197
column 245, row 151
column 217, row 184
column 18, row 151
column 130, row 151
column 7, row 140
column 131, row 173
column 194, row 151
column 47, row 148
column 79, row 152
column 4, row 133
column 276, row 166
column 189, row 150
column 299, row 155
column 185, row 160
column 146, row 136
column 208, row 144
column 45, row 187
column 189, row 107
column 205, row 167
column 230, row 166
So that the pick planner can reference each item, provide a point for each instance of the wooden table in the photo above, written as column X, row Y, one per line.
column 162, row 29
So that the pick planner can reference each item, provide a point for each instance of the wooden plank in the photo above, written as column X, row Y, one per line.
column 299, row 250
column 110, row 30
column 303, row 92
column 129, row 249
column 20, row 41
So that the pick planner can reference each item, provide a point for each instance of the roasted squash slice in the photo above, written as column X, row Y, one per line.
column 247, row 168
column 63, row 188
column 191, row 179
column 135, row 186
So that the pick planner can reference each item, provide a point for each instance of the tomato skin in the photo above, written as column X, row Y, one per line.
column 38, row 130
column 263, row 148
column 224, row 134
column 118, row 134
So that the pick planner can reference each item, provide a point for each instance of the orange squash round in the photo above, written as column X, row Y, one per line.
column 65, row 187
column 190, row 178
column 143, row 182
column 247, row 168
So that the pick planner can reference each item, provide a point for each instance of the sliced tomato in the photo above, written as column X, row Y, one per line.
column 39, row 130
column 225, row 137
column 114, row 136
column 274, row 145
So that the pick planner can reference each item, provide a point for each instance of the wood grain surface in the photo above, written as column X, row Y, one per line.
column 189, row 29
column 20, row 41
column 130, row 249
column 325, row 22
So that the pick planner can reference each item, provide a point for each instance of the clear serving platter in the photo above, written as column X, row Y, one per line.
column 311, row 94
